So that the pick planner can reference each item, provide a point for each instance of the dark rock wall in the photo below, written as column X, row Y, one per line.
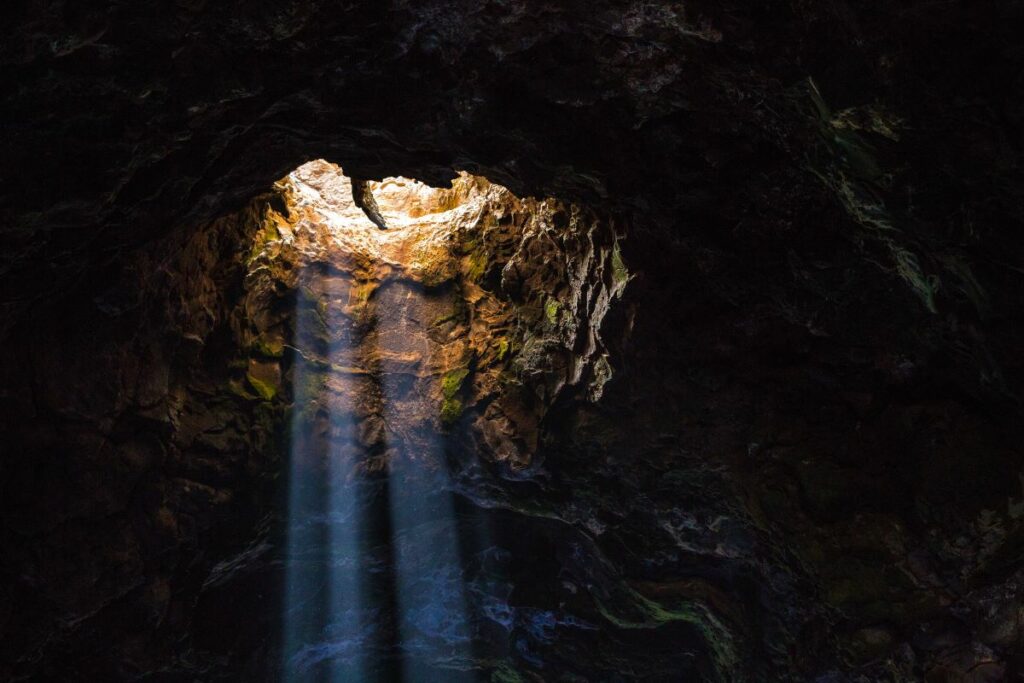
column 699, row 113
column 814, row 425
column 777, row 463
column 128, row 464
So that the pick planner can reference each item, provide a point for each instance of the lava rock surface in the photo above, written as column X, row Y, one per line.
column 811, row 435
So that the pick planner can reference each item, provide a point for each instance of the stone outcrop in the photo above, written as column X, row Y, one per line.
column 491, row 304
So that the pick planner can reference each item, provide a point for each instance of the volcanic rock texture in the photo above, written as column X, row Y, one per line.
column 497, row 301
column 806, row 463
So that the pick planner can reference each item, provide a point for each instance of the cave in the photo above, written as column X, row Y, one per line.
column 511, row 341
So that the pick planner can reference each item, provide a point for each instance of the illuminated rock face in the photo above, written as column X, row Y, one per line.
column 493, row 304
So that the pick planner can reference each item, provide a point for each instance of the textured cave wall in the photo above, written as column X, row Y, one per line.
column 817, row 414
column 127, row 460
column 514, row 293
column 155, row 443
column 693, row 114
column 457, row 328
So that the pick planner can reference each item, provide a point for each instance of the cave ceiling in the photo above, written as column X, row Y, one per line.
column 751, row 122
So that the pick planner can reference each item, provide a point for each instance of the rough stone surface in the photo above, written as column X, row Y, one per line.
column 807, row 462
column 493, row 303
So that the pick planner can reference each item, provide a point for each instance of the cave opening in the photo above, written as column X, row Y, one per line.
column 413, row 310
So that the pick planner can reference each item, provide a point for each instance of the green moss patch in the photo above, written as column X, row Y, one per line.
column 451, row 410
column 476, row 265
column 551, row 309
column 620, row 274
column 266, row 390
column 505, row 673
column 268, row 233
column 503, row 347
column 639, row 612
column 451, row 405
column 271, row 348
column 452, row 381
column 239, row 388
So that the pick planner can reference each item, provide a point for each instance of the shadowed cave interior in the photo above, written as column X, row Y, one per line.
column 510, row 341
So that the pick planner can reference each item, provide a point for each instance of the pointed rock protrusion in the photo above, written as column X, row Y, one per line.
column 363, row 198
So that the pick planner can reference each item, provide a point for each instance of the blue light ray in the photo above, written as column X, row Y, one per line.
column 435, row 633
column 327, row 626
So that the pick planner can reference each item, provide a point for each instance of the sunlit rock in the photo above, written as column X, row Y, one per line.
column 489, row 304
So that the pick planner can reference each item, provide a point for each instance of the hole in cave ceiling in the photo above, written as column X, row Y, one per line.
column 401, row 202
